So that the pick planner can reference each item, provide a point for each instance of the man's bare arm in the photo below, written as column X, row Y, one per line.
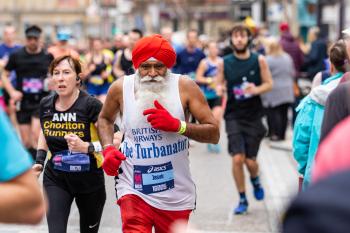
column 109, row 112
column 200, row 73
column 7, row 84
column 117, row 70
column 266, row 77
column 21, row 200
column 207, row 130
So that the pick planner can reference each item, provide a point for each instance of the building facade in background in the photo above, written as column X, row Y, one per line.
column 104, row 18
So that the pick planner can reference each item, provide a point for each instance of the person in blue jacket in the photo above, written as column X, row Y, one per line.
column 308, row 123
column 21, row 198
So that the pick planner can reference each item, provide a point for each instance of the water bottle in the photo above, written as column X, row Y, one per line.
column 244, row 86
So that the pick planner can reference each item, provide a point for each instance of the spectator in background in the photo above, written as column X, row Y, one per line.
column 259, row 41
column 324, row 207
column 338, row 102
column 315, row 59
column 21, row 199
column 290, row 45
column 337, row 108
column 123, row 63
column 281, row 97
column 307, row 128
column 188, row 58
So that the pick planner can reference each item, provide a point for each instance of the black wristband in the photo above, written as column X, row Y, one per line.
column 40, row 156
column 115, row 128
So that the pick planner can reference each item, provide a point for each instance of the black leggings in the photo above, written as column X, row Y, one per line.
column 277, row 120
column 90, row 208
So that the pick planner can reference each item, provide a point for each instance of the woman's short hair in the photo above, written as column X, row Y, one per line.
column 73, row 62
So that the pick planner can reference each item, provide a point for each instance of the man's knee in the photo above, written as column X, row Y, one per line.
column 238, row 160
column 251, row 162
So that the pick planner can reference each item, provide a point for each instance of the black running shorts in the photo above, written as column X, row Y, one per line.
column 244, row 137
column 26, row 112
column 214, row 102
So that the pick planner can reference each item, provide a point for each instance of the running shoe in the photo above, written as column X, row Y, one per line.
column 241, row 208
column 214, row 148
column 259, row 193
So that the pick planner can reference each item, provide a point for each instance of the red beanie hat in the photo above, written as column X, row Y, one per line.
column 153, row 46
column 284, row 27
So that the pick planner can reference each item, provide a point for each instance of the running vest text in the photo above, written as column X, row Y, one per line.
column 152, row 151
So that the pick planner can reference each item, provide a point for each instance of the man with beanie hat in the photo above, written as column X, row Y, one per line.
column 153, row 180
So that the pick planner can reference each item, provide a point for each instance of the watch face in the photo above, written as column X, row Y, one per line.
column 91, row 149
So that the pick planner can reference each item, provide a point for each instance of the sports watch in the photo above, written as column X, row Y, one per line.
column 91, row 148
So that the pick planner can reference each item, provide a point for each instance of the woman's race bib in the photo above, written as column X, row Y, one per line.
column 71, row 161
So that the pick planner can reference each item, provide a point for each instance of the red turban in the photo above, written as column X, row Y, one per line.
column 153, row 46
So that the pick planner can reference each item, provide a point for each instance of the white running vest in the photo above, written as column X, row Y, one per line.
column 157, row 165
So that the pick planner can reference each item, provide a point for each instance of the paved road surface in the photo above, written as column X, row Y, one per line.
column 216, row 195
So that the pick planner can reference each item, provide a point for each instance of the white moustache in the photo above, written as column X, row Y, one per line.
column 149, row 79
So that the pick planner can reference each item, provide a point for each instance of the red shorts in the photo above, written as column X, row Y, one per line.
column 138, row 216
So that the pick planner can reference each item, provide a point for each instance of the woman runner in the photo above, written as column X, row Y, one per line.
column 73, row 170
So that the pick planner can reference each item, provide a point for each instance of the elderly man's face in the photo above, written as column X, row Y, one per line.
column 152, row 69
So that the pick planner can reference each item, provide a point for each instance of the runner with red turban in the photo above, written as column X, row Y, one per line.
column 153, row 180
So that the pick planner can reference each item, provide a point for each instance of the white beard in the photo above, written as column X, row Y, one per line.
column 147, row 91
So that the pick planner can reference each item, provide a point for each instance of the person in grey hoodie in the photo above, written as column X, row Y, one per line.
column 281, row 97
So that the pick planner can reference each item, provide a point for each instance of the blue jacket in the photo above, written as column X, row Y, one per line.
column 307, row 127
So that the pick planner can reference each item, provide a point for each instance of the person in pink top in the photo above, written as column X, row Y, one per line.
column 333, row 154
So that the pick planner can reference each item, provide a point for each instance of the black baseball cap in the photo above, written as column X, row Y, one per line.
column 33, row 31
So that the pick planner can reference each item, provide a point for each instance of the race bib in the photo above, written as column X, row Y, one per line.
column 31, row 85
column 71, row 161
column 154, row 178
column 96, row 80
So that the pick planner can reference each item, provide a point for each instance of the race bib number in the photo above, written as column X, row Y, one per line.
column 32, row 85
column 71, row 162
column 154, row 178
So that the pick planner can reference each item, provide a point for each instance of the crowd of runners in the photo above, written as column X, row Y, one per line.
column 132, row 108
